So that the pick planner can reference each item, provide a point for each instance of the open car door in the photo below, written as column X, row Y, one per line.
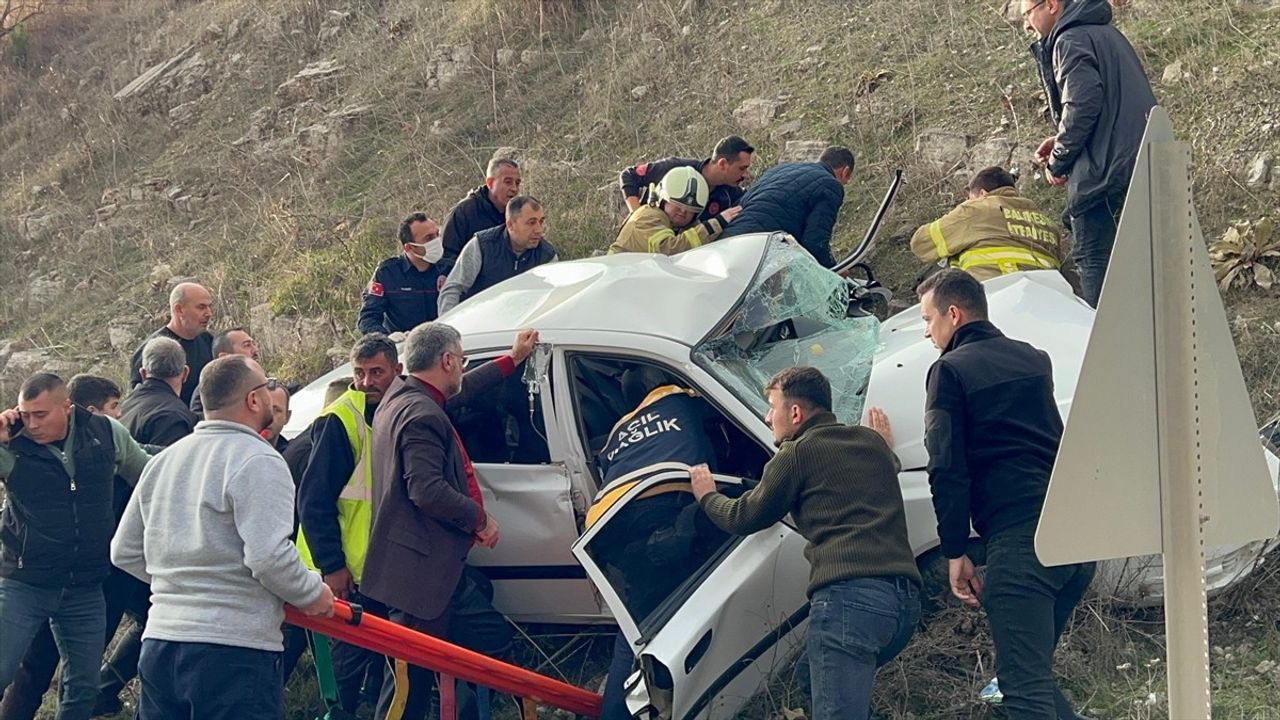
column 710, row 625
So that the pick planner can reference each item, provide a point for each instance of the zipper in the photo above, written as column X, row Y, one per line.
column 23, row 554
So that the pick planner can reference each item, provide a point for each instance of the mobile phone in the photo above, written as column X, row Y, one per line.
column 15, row 427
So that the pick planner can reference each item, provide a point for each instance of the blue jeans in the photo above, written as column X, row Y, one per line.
column 202, row 681
column 613, row 705
column 77, row 616
column 855, row 626
column 1093, row 234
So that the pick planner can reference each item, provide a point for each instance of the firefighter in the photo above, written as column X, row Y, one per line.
column 666, row 223
column 995, row 232
column 724, row 172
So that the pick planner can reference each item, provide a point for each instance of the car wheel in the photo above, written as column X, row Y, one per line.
column 935, row 594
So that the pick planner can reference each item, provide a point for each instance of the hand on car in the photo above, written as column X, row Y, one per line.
column 879, row 421
column 703, row 483
column 728, row 214
column 322, row 605
column 487, row 536
column 340, row 582
column 523, row 345
column 965, row 583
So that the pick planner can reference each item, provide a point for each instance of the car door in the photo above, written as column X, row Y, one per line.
column 534, row 574
column 721, row 631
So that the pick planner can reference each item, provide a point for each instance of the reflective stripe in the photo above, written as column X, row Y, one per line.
column 655, row 240
column 400, row 697
column 1007, row 258
column 939, row 243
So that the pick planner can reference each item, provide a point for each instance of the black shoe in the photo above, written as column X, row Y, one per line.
column 107, row 706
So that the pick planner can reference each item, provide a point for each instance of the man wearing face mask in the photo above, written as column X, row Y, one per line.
column 404, row 289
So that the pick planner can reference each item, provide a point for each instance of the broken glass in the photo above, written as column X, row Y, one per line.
column 794, row 314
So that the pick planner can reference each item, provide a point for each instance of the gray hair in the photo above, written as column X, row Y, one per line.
column 496, row 164
column 427, row 343
column 224, row 381
column 163, row 358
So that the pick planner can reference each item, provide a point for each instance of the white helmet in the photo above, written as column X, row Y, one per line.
column 685, row 187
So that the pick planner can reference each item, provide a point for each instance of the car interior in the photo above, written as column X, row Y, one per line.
column 500, row 425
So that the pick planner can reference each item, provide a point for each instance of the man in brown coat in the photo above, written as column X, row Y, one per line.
column 427, row 506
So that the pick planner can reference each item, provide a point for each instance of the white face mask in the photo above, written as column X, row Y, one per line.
column 431, row 250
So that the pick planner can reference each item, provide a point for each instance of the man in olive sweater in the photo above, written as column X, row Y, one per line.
column 840, row 485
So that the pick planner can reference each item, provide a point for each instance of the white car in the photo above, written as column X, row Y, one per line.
column 720, row 320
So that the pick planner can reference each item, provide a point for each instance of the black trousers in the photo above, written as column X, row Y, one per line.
column 358, row 672
column 201, row 681
column 124, row 594
column 1028, row 606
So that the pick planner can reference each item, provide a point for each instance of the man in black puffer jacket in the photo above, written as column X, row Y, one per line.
column 1099, row 97
column 56, row 529
column 482, row 208
column 801, row 199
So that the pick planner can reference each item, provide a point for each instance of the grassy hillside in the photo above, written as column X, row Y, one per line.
column 281, row 197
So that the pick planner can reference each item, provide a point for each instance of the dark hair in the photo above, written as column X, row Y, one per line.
column 91, row 390
column 405, row 233
column 956, row 287
column 803, row 386
column 496, row 164
column 992, row 178
column 836, row 157
column 373, row 345
column 518, row 203
column 222, row 381
column 41, row 382
column 731, row 147
column 222, row 341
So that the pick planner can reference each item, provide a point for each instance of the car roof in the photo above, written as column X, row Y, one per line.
column 680, row 297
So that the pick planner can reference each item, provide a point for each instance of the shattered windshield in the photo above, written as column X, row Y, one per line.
column 794, row 314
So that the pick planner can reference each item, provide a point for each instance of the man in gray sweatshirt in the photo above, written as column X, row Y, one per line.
column 208, row 527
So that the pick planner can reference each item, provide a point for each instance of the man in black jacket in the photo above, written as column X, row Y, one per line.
column 58, row 462
column 992, row 430
column 499, row 253
column 191, row 310
column 482, row 208
column 801, row 199
column 724, row 172
column 153, row 412
column 403, row 291
column 1099, row 97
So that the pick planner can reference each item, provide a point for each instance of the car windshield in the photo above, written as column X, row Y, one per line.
column 794, row 314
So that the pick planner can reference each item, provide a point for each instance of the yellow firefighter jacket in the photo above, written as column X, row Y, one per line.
column 991, row 236
column 648, row 229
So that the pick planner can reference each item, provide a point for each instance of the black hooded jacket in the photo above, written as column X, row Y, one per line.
column 1099, row 96
column 473, row 213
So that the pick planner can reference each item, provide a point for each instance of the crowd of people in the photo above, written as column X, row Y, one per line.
column 181, row 505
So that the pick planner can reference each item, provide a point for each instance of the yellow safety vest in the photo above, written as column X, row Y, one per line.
column 355, row 502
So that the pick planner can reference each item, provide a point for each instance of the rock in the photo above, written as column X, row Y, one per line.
column 235, row 27
column 1260, row 170
column 309, row 80
column 756, row 113
column 1265, row 667
column 802, row 150
column 105, row 213
column 996, row 151
column 785, row 130
column 183, row 115
column 1013, row 11
column 45, row 290
column 40, row 225
column 184, row 76
column 211, row 33
column 281, row 334
column 124, row 334
column 9, row 347
column 159, row 273
column 506, row 56
column 334, row 22
column 153, row 74
column 639, row 92
column 686, row 31
column 942, row 150
column 529, row 57
column 1173, row 73
column 25, row 363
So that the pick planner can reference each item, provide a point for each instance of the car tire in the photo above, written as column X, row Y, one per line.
column 935, row 593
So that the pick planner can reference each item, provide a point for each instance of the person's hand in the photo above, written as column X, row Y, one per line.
column 523, row 345
column 703, row 483
column 877, row 420
column 633, row 203
column 965, row 583
column 8, row 419
column 487, row 536
column 322, row 605
column 1045, row 149
column 1058, row 180
column 340, row 582
column 396, row 337
column 728, row 214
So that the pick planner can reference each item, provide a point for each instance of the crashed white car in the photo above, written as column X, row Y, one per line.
column 720, row 320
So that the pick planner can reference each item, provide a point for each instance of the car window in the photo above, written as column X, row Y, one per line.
column 501, row 425
column 794, row 314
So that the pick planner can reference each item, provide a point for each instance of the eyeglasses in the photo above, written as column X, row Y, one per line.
column 1027, row 12
column 461, row 358
column 271, row 384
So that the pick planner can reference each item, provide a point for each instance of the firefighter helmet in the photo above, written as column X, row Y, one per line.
column 685, row 187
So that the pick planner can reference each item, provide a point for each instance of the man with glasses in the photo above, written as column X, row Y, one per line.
column 208, row 527
column 403, row 292
column 428, row 511
column 1099, row 97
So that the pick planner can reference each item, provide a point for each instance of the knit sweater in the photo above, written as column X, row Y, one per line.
column 208, row 526
column 840, row 485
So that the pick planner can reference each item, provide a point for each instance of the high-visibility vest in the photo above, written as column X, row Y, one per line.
column 355, row 502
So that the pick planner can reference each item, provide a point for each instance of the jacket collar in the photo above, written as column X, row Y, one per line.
column 972, row 332
column 408, row 267
column 221, row 426
column 152, row 386
column 425, row 387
